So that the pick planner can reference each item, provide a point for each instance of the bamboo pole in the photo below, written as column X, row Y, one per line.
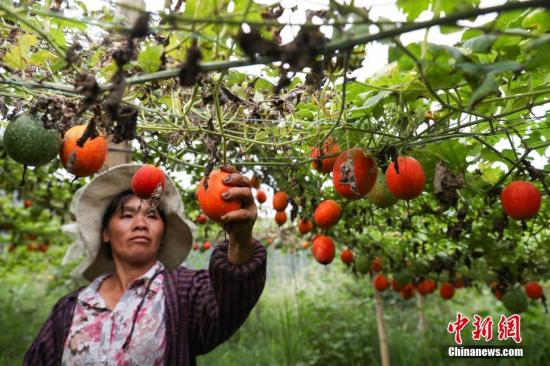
column 384, row 353
column 422, row 324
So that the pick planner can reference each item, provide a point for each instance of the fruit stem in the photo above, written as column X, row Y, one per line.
column 408, row 210
column 22, row 183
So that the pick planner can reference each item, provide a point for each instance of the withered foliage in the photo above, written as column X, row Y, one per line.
column 446, row 184
column 304, row 51
column 190, row 71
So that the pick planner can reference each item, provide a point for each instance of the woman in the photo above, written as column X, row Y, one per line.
column 142, row 307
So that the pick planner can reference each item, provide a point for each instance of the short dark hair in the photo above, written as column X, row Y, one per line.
column 117, row 203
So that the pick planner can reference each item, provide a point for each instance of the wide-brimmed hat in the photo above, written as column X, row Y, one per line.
column 89, row 205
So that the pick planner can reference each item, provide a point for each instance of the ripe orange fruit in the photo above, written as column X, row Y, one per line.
column 280, row 201
column 447, row 290
column 86, row 160
column 210, row 200
column 520, row 200
column 327, row 213
column 533, row 290
column 201, row 219
column 280, row 217
column 43, row 247
column 147, row 180
column 305, row 245
column 346, row 256
column 407, row 292
column 261, row 196
column 323, row 249
column 255, row 182
column 459, row 282
column 305, row 226
column 354, row 174
column 206, row 245
column 497, row 289
column 426, row 287
column 329, row 148
column 380, row 282
column 376, row 264
column 27, row 203
column 409, row 183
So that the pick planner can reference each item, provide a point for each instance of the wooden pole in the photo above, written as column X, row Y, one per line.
column 422, row 324
column 384, row 353
column 117, row 154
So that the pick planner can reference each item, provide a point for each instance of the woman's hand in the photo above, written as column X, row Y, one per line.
column 239, row 223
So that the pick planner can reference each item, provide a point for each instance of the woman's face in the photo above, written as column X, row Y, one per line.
column 135, row 235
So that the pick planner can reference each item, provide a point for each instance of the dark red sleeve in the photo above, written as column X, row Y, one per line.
column 221, row 298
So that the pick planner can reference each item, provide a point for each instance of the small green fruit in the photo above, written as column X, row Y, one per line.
column 403, row 277
column 515, row 300
column 380, row 194
column 362, row 264
column 28, row 142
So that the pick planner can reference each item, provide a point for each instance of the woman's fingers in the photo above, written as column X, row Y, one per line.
column 228, row 169
column 243, row 194
column 242, row 214
column 236, row 180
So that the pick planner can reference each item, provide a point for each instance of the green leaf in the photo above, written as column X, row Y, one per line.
column 539, row 53
column 200, row 8
column 470, row 33
column 149, row 58
column 306, row 111
column 18, row 56
column 480, row 44
column 413, row 8
column 25, row 43
column 450, row 7
column 453, row 153
column 449, row 29
column 262, row 84
column 234, row 77
column 370, row 103
column 488, row 86
column 69, row 23
column 173, row 103
column 14, row 59
column 538, row 19
column 491, row 175
column 481, row 70
column 40, row 58
column 57, row 35
column 439, row 50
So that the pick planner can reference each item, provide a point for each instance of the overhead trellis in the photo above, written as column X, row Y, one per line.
column 433, row 93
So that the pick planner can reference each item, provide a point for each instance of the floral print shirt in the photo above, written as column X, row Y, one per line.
column 97, row 334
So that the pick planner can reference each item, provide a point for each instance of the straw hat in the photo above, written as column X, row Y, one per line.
column 89, row 205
